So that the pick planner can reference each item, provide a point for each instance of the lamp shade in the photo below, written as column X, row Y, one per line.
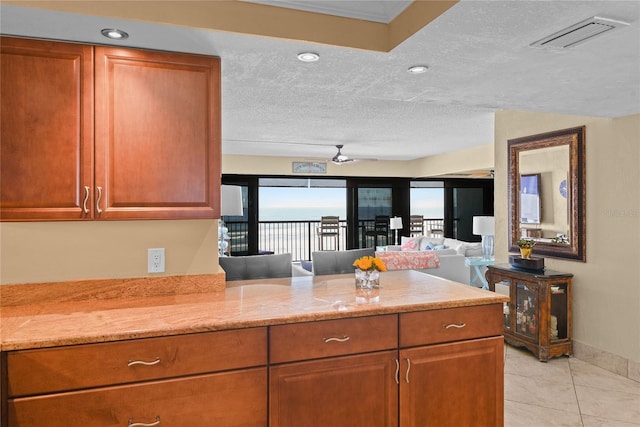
column 484, row 225
column 395, row 223
column 230, row 200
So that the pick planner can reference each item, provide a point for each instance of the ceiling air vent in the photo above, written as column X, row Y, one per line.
column 579, row 33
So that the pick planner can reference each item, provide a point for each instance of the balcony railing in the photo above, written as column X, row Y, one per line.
column 300, row 239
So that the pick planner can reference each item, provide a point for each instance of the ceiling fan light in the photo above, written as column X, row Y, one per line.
column 114, row 34
column 308, row 56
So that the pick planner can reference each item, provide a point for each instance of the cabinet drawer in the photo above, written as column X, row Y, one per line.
column 68, row 368
column 327, row 338
column 451, row 324
column 236, row 398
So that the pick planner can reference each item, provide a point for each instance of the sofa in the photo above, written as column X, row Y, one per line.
column 451, row 253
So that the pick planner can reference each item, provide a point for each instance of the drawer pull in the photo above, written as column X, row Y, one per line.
column 142, row 362
column 155, row 423
column 397, row 371
column 343, row 339
column 406, row 376
column 98, row 201
column 453, row 325
column 86, row 198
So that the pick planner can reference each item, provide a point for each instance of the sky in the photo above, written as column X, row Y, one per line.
column 287, row 203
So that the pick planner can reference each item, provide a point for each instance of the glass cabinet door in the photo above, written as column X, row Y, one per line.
column 502, row 287
column 559, row 321
column 526, row 310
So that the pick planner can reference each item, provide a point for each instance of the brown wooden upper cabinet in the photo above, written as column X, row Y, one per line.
column 107, row 133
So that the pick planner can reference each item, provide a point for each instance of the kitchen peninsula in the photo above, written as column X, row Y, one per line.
column 278, row 352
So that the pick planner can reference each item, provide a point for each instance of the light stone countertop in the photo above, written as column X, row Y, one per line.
column 241, row 305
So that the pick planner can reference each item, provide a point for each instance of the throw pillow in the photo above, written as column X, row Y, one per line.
column 410, row 244
column 306, row 265
column 433, row 240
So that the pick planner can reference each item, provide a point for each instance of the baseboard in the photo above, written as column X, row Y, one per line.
column 606, row 360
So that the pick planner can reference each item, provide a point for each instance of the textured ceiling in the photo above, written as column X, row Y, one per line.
column 479, row 62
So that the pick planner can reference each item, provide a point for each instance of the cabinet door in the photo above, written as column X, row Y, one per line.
column 46, row 139
column 236, row 398
column 339, row 392
column 157, row 134
column 458, row 384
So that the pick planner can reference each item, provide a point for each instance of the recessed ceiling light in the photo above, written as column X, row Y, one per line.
column 308, row 57
column 418, row 69
column 114, row 33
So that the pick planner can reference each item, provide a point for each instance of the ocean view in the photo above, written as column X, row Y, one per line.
column 314, row 213
column 309, row 204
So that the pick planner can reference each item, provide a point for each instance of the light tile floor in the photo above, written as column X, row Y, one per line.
column 566, row 391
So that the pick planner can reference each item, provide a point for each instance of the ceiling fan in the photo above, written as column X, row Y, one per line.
column 341, row 159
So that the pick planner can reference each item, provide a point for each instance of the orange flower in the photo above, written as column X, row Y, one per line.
column 370, row 263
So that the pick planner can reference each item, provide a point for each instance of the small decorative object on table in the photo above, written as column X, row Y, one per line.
column 367, row 273
column 526, row 247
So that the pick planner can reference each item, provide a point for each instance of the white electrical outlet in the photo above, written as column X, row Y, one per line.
column 156, row 260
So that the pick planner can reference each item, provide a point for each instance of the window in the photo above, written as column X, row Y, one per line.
column 427, row 199
column 299, row 199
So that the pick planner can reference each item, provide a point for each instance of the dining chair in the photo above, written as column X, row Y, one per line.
column 256, row 266
column 337, row 262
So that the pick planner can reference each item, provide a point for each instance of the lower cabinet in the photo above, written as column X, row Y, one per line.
column 225, row 399
column 459, row 384
column 426, row 368
column 343, row 391
column 446, row 370
column 205, row 379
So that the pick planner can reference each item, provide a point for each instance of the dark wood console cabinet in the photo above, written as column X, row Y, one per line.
column 538, row 314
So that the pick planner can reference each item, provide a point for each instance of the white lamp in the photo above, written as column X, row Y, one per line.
column 395, row 224
column 485, row 226
column 230, row 204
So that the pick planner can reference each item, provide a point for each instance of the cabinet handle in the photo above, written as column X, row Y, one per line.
column 142, row 362
column 453, row 325
column 155, row 423
column 406, row 375
column 343, row 339
column 98, row 201
column 86, row 198
column 397, row 371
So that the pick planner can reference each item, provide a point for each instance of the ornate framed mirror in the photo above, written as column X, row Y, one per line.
column 547, row 193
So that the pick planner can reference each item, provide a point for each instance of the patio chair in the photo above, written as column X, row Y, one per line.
column 337, row 262
column 436, row 231
column 416, row 225
column 256, row 266
column 329, row 227
column 380, row 229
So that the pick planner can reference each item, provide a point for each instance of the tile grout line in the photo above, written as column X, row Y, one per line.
column 575, row 393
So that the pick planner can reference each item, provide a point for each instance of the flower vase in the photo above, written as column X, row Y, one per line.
column 367, row 286
column 526, row 252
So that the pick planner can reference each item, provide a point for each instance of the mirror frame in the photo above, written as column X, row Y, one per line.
column 574, row 138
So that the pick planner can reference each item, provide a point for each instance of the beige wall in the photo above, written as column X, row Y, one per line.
column 606, row 299
column 33, row 252
column 459, row 161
